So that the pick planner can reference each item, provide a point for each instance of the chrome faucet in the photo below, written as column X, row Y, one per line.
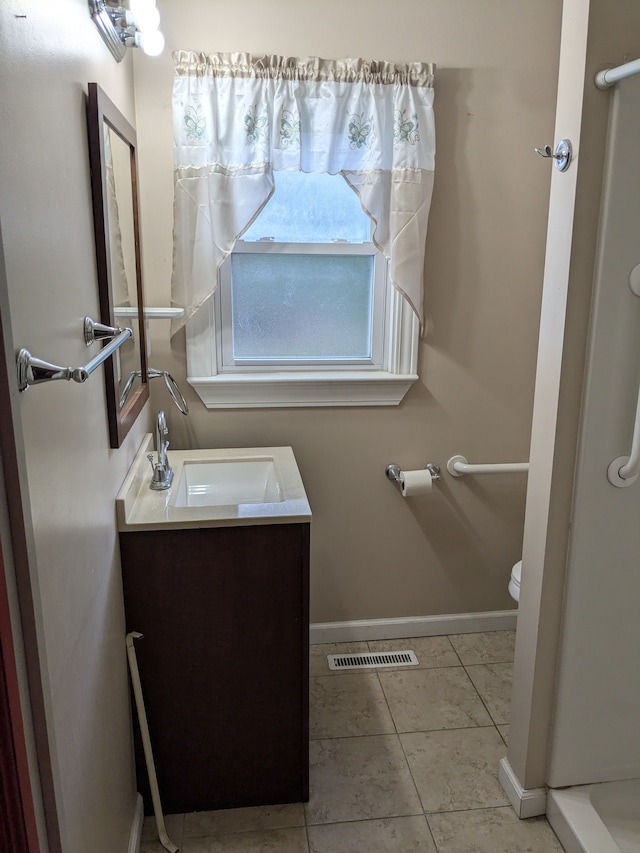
column 162, row 472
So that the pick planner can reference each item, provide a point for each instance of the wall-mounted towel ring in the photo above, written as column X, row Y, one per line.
column 172, row 387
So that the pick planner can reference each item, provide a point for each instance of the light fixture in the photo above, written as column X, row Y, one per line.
column 133, row 25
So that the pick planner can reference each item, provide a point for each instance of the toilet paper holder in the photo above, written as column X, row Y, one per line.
column 393, row 471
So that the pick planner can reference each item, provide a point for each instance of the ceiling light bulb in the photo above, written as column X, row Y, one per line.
column 140, row 7
column 152, row 43
column 148, row 20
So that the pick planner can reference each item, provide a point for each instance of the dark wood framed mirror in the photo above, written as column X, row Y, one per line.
column 112, row 157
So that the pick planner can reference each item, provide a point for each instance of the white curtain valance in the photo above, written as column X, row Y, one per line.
column 238, row 118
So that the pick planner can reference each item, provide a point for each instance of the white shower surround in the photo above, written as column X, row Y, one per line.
column 602, row 818
column 594, row 738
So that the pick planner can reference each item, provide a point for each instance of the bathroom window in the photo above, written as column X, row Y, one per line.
column 304, row 288
column 304, row 301
column 302, row 189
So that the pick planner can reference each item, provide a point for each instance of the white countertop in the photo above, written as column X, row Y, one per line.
column 140, row 508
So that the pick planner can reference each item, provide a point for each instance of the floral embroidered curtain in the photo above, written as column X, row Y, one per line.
column 238, row 118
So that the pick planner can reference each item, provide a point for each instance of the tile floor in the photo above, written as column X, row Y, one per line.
column 402, row 761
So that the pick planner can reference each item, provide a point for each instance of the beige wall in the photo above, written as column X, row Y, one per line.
column 48, row 53
column 375, row 555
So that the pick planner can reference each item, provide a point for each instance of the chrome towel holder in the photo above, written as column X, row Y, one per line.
column 34, row 371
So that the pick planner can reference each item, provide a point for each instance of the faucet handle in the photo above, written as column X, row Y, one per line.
column 150, row 458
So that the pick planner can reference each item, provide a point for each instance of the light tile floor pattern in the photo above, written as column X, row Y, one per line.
column 402, row 761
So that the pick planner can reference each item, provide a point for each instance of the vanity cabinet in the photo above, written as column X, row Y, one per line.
column 223, row 662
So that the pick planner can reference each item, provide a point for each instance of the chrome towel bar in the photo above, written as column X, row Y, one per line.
column 457, row 466
column 34, row 371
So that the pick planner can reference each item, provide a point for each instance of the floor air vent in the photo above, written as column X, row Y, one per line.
column 370, row 660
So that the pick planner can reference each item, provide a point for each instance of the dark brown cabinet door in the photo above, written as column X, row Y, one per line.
column 223, row 662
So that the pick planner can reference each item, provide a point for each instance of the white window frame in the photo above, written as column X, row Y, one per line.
column 223, row 309
column 382, row 380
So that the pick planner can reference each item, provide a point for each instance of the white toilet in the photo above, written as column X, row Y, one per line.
column 514, row 583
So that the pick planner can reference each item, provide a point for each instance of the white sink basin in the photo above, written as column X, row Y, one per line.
column 214, row 488
column 223, row 482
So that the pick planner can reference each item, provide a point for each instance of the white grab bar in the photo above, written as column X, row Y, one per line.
column 607, row 78
column 624, row 470
column 457, row 466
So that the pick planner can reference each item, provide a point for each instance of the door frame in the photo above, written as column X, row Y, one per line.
column 18, row 827
column 31, row 812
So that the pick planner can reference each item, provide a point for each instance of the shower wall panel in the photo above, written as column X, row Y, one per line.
column 598, row 692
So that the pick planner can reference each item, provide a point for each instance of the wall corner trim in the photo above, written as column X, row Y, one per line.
column 411, row 626
column 135, row 836
column 526, row 802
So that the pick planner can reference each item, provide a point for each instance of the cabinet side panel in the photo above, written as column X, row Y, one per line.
column 305, row 545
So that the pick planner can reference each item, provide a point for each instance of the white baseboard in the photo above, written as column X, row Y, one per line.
column 412, row 626
column 135, row 836
column 526, row 802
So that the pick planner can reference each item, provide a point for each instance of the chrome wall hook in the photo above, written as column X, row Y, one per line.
column 562, row 155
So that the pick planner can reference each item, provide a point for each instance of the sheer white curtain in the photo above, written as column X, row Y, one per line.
column 238, row 118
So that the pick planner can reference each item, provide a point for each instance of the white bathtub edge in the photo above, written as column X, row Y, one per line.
column 577, row 824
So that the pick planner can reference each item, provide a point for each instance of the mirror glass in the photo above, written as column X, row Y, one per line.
column 123, row 256
column 112, row 150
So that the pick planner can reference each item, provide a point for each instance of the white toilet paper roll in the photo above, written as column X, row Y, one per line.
column 415, row 483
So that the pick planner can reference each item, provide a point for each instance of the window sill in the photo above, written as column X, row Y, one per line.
column 283, row 390
column 300, row 388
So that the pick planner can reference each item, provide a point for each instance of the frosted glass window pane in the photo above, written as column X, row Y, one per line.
column 301, row 306
column 311, row 208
